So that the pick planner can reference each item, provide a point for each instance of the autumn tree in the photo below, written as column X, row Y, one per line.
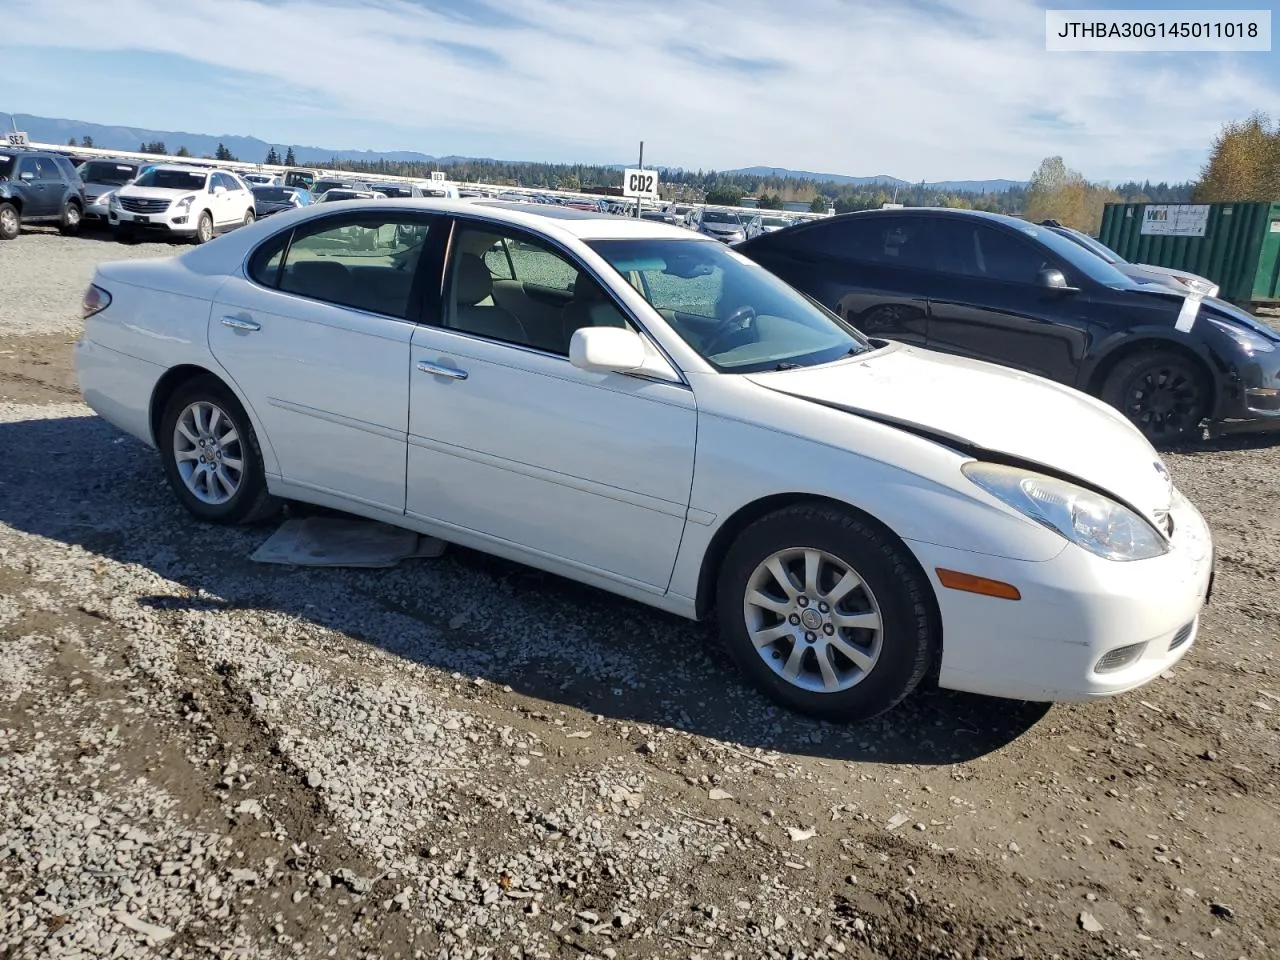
column 1244, row 163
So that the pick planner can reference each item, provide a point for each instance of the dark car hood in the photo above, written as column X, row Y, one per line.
column 1209, row 306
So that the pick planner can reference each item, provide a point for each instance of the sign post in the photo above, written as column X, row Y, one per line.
column 17, row 138
column 437, row 175
column 640, row 183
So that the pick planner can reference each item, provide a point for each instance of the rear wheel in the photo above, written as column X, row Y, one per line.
column 204, row 228
column 1163, row 393
column 70, row 221
column 826, row 613
column 211, row 455
column 249, row 217
column 9, row 221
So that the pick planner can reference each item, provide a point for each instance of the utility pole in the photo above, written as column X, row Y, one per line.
column 640, row 165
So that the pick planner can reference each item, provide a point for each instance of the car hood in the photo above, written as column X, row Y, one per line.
column 985, row 409
column 721, row 228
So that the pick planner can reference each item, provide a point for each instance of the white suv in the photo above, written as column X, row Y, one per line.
column 185, row 202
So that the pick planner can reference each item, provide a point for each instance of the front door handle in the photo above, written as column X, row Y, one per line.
column 440, row 370
column 240, row 323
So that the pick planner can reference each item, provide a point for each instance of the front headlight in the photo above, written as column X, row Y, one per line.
column 115, row 202
column 1248, row 340
column 185, row 202
column 1087, row 519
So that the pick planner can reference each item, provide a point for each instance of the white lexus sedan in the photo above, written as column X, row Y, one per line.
column 644, row 410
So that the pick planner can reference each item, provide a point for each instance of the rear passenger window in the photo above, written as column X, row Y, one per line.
column 365, row 262
column 510, row 288
column 893, row 241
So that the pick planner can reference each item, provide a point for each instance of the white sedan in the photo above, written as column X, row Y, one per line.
column 646, row 411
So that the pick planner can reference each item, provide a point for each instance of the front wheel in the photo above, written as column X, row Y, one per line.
column 826, row 613
column 69, row 222
column 204, row 228
column 211, row 455
column 10, row 222
column 1163, row 393
column 249, row 217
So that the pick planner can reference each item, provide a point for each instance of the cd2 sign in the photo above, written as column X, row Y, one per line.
column 640, row 183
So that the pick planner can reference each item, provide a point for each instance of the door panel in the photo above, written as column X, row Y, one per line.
column 329, row 386
column 590, row 468
column 985, row 303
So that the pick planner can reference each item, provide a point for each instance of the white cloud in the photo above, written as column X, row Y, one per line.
column 938, row 89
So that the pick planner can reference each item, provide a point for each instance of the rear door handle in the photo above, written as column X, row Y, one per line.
column 240, row 323
column 440, row 370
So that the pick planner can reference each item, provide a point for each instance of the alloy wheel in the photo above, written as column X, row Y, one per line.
column 208, row 452
column 8, row 221
column 1164, row 400
column 813, row 620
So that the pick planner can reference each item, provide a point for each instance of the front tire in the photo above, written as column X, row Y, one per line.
column 826, row 613
column 10, row 222
column 249, row 217
column 211, row 455
column 71, row 220
column 1164, row 394
column 204, row 228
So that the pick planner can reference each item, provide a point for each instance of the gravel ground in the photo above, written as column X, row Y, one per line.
column 201, row 757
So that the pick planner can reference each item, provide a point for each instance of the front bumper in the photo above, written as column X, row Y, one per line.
column 1085, row 627
column 97, row 209
column 173, row 221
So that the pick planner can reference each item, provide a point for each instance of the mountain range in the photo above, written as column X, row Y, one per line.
column 58, row 131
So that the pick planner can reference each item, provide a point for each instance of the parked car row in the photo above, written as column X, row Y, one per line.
column 855, row 512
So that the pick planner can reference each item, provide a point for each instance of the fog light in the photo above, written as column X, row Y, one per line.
column 179, row 219
column 1119, row 658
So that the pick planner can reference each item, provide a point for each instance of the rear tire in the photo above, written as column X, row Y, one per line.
column 72, row 219
column 211, row 455
column 10, row 222
column 249, row 217
column 1163, row 393
column 851, row 634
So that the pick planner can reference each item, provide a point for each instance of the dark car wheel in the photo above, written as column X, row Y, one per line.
column 211, row 455
column 10, row 222
column 826, row 613
column 1163, row 393
column 72, row 218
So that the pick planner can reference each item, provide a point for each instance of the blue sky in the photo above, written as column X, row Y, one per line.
column 921, row 89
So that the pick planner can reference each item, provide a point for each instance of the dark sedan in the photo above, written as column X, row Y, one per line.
column 1004, row 290
column 269, row 200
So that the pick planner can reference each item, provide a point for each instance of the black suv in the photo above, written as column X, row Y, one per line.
column 1001, row 289
column 38, row 187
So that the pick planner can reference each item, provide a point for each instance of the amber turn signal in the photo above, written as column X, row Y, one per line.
column 969, row 583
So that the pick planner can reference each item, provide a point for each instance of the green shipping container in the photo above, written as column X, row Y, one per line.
column 1236, row 245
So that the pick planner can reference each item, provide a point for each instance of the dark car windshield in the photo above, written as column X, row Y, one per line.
column 391, row 190
column 738, row 317
column 172, row 179
column 721, row 216
column 1086, row 261
column 775, row 222
column 320, row 186
column 108, row 172
column 273, row 194
column 1097, row 246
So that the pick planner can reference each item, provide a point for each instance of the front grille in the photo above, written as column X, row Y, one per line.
column 144, row 205
column 1119, row 658
column 1182, row 636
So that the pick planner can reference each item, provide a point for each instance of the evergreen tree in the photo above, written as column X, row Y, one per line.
column 222, row 153
column 71, row 142
column 289, row 159
column 183, row 152
column 86, row 141
column 273, row 158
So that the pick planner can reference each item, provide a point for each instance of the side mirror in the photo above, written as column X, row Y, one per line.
column 606, row 350
column 219, row 190
column 1056, row 280
column 26, row 175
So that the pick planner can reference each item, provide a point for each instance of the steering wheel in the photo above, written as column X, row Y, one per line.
column 743, row 318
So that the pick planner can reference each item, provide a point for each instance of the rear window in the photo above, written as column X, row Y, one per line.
column 6, row 166
column 108, row 172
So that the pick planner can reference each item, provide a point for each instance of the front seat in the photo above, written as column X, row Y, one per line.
column 590, row 307
column 472, row 283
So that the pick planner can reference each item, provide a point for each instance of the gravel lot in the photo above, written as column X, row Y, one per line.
column 202, row 757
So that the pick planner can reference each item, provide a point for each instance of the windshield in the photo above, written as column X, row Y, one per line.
column 1097, row 246
column 738, row 317
column 322, row 185
column 107, row 172
column 1086, row 261
column 273, row 194
column 395, row 191
column 775, row 221
column 721, row 216
column 172, row 179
